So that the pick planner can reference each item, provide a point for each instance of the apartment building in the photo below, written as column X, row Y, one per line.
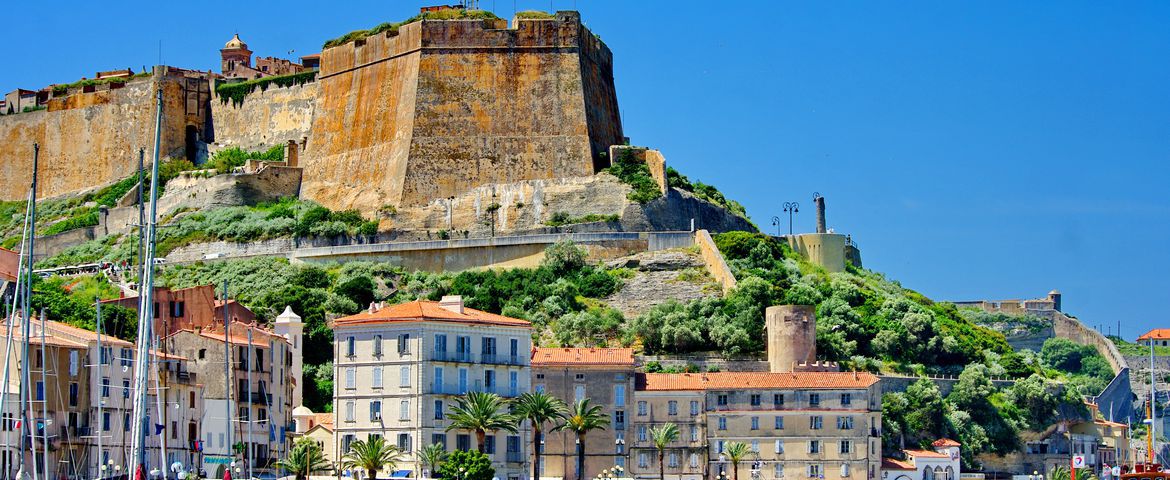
column 86, row 391
column 399, row 369
column 188, row 309
column 606, row 377
column 797, row 425
column 258, row 364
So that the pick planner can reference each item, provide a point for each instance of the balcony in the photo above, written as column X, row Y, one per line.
column 515, row 457
column 255, row 398
column 445, row 356
column 483, row 358
column 454, row 389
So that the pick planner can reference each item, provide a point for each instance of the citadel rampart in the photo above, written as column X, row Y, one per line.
column 265, row 118
column 88, row 139
column 439, row 107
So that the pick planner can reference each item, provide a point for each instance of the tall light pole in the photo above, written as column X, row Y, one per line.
column 791, row 208
column 776, row 223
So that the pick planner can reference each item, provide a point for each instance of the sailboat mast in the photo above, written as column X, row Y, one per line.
column 146, row 306
column 26, row 324
column 44, row 393
column 101, row 403
column 227, row 379
column 1153, row 405
column 10, row 316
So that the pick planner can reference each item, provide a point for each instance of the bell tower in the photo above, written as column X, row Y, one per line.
column 234, row 53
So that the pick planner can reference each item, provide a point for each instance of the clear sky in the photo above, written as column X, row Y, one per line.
column 973, row 149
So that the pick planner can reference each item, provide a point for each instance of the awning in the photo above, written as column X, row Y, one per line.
column 400, row 474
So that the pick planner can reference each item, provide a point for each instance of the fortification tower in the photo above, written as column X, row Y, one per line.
column 234, row 53
column 792, row 340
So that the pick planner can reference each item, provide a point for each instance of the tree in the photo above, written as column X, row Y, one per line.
column 583, row 418
column 303, row 459
column 481, row 413
column 662, row 436
column 371, row 455
column 564, row 257
column 538, row 408
column 736, row 451
column 468, row 465
column 432, row 456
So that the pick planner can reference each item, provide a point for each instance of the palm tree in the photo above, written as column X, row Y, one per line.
column 538, row 408
column 582, row 418
column 371, row 455
column 432, row 456
column 481, row 413
column 736, row 451
column 304, row 459
column 662, row 436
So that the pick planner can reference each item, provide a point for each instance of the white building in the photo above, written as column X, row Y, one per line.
column 399, row 369
column 941, row 463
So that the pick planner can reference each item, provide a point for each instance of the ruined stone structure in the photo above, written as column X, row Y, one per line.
column 792, row 340
column 439, row 107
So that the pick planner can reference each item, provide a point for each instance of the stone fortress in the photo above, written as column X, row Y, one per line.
column 436, row 121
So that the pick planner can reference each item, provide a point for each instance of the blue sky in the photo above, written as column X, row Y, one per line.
column 973, row 149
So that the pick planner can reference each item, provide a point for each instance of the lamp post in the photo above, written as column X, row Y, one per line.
column 791, row 208
column 776, row 223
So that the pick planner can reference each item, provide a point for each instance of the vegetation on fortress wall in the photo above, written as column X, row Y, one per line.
column 535, row 15
column 634, row 172
column 62, row 88
column 224, row 161
column 704, row 191
column 448, row 14
column 238, row 90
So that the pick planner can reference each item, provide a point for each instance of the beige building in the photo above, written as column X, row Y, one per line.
column 399, row 369
column 606, row 377
column 797, row 425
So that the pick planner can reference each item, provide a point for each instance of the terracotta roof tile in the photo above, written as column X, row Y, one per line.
column 926, row 454
column 427, row 311
column 946, row 442
column 895, row 464
column 87, row 335
column 1157, row 334
column 582, row 356
column 749, row 380
column 325, row 419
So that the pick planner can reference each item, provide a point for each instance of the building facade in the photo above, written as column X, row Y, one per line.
column 797, row 425
column 606, row 377
column 398, row 370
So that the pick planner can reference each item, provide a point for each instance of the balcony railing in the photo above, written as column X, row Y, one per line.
column 483, row 358
column 455, row 389
column 515, row 457
column 255, row 398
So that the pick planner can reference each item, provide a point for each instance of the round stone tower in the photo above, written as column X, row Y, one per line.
column 792, row 337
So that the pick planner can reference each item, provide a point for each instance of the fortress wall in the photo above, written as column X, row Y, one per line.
column 265, row 118
column 88, row 139
column 601, row 105
column 362, row 123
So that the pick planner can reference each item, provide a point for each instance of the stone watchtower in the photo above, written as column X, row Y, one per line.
column 792, row 340
column 233, row 54
column 290, row 326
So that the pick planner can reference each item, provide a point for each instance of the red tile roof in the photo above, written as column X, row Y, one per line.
column 9, row 264
column 946, row 442
column 749, row 380
column 324, row 419
column 582, row 356
column 427, row 311
column 895, row 464
column 926, row 454
column 1156, row 334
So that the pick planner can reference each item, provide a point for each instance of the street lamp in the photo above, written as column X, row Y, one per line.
column 776, row 223
column 790, row 208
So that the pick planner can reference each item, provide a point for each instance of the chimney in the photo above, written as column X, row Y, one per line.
column 452, row 303
column 373, row 307
column 820, row 201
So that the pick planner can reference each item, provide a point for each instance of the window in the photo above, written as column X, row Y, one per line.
column 127, row 354
column 106, row 421
column 377, row 345
column 463, row 442
column 641, row 433
column 73, row 363
column 723, row 423
column 755, row 399
column 513, row 383
column 845, row 470
column 846, row 399
column 438, row 409
column 641, row 408
column 376, row 378
column 489, row 444
column 105, row 387
column 643, row 460
column 41, row 391
column 439, row 439
column 244, row 414
column 814, row 471
column 719, row 446
column 578, row 393
column 176, row 309
column 756, row 446
column 778, row 470
column 346, row 441
column 815, row 422
column 694, row 433
column 376, row 410
column 845, row 423
column 126, row 424
column 513, row 448
column 514, row 349
column 488, row 349
column 489, row 380
column 619, row 395
column 350, row 378
column 349, row 412
column 814, row 399
column 404, row 344
column 694, row 460
column 579, row 377
column 404, row 442
column 846, row 446
column 462, row 381
column 755, row 423
column 619, row 419
column 404, row 410
column 404, row 377
column 814, row 446
column 694, row 407
column 350, row 347
column 673, row 462
column 440, row 347
column 125, row 388
column 721, row 400
column 779, row 423
column 672, row 408
column 105, row 355
column 73, row 394
column 779, row 446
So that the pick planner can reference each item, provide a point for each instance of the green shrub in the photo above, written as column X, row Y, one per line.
column 535, row 14
column 563, row 218
column 87, row 220
column 237, row 91
column 224, row 161
column 448, row 14
column 627, row 168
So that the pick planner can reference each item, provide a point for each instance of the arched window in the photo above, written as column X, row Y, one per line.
column 950, row 473
column 927, row 474
column 938, row 474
